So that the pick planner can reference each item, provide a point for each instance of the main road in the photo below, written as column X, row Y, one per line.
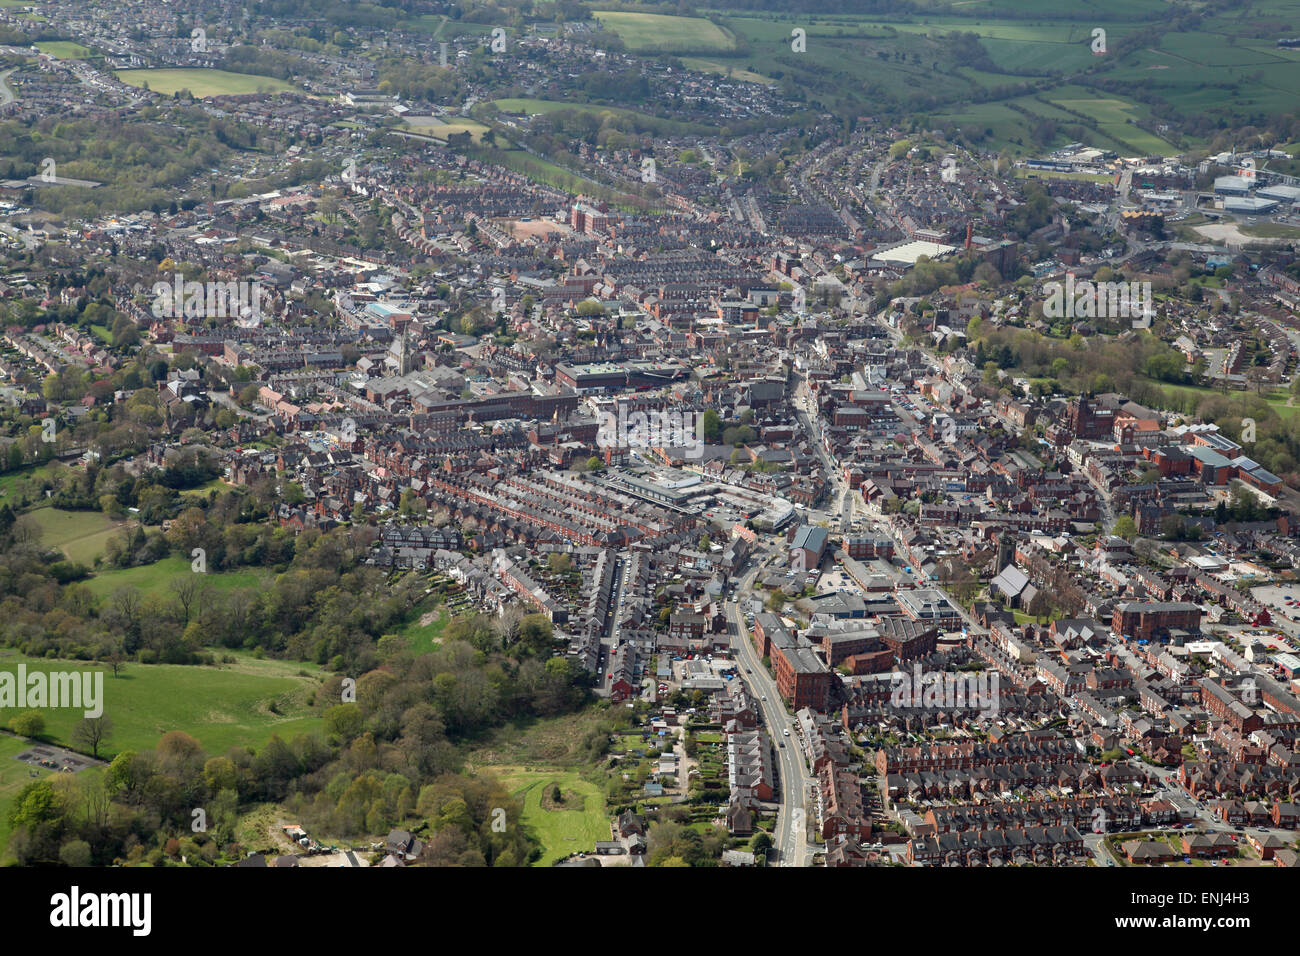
column 790, row 837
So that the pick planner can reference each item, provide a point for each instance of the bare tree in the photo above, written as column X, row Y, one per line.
column 512, row 616
column 186, row 589
column 25, row 530
column 91, row 732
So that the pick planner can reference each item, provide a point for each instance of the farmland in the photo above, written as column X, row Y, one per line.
column 903, row 62
column 652, row 32
column 203, row 82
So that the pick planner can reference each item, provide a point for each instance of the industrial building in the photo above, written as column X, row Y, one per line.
column 1231, row 186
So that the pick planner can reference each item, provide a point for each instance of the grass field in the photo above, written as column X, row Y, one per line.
column 156, row 577
column 441, row 130
column 81, row 535
column 562, row 832
column 63, row 49
column 424, row 637
column 1276, row 399
column 14, row 775
column 725, row 69
column 642, row 32
column 9, row 481
column 1272, row 230
column 1049, row 174
column 1226, row 64
column 222, row 707
column 535, row 107
column 1117, row 117
column 644, row 121
column 544, row 171
column 203, row 82
column 218, row 484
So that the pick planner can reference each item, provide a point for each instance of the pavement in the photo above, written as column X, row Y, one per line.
column 789, row 838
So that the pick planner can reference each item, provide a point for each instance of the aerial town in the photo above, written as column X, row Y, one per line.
column 471, row 435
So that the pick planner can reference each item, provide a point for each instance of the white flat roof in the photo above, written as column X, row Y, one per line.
column 909, row 252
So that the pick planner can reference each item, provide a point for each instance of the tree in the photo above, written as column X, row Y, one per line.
column 91, row 732
column 116, row 659
column 712, row 425
column 29, row 723
column 186, row 589
column 1125, row 527
column 75, row 853
column 1040, row 605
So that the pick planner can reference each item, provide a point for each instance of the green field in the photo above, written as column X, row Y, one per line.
column 1117, row 117
column 441, row 130
column 1272, row 230
column 644, row 121
column 725, row 69
column 81, row 535
column 535, row 107
column 1226, row 64
column 1049, row 174
column 222, row 707
column 647, row 32
column 424, row 637
column 63, row 49
column 562, row 832
column 10, row 480
column 14, row 775
column 544, row 171
column 156, row 577
column 217, row 484
column 203, row 82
